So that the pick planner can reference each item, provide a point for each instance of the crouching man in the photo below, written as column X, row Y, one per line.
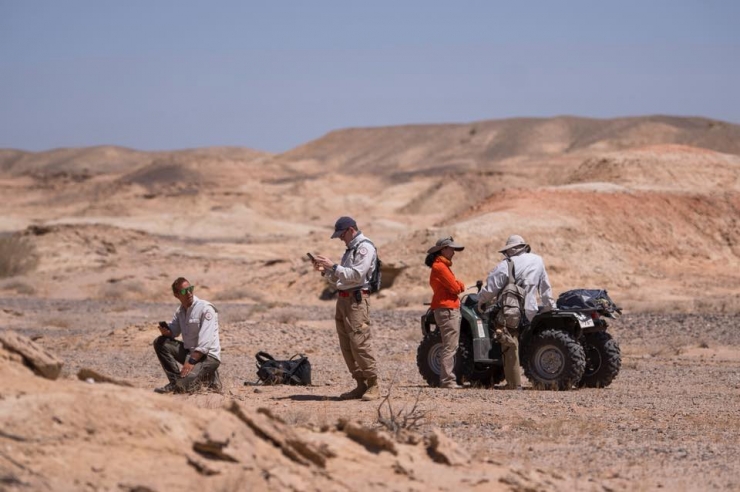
column 199, row 352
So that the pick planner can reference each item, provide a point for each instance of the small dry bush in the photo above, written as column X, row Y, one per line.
column 297, row 417
column 56, row 322
column 128, row 289
column 400, row 420
column 231, row 295
column 17, row 256
column 288, row 315
column 20, row 287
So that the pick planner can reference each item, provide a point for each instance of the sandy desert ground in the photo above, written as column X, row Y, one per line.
column 644, row 207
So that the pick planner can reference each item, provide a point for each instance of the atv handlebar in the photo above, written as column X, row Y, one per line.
column 478, row 285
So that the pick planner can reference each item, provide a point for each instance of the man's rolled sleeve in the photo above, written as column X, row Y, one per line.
column 494, row 283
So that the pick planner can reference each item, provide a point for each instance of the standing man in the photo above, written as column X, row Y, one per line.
column 199, row 352
column 529, row 274
column 352, row 279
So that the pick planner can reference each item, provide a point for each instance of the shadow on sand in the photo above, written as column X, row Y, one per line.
column 308, row 398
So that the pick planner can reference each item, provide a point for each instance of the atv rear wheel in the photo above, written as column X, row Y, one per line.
column 603, row 360
column 554, row 360
column 429, row 357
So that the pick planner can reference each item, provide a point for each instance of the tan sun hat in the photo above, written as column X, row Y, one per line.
column 443, row 243
column 513, row 241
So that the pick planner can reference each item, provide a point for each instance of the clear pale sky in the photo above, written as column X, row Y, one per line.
column 271, row 75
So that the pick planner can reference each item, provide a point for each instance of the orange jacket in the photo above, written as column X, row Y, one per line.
column 444, row 284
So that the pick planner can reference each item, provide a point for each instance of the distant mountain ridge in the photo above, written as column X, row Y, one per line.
column 111, row 159
column 485, row 143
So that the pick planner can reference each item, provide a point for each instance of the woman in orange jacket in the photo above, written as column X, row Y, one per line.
column 446, row 305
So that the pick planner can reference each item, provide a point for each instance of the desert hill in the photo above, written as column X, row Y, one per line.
column 487, row 145
column 643, row 206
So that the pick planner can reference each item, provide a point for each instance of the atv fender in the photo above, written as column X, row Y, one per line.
column 479, row 332
column 428, row 324
column 568, row 321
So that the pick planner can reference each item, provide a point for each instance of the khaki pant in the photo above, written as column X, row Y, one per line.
column 448, row 322
column 510, row 350
column 204, row 374
column 355, row 337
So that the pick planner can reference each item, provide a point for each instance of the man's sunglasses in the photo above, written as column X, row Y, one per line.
column 187, row 290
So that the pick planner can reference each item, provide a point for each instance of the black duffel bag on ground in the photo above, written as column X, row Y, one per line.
column 294, row 371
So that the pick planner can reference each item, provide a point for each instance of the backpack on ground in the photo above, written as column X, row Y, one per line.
column 511, row 301
column 294, row 371
column 376, row 277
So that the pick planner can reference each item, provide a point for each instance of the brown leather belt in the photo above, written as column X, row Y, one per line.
column 347, row 293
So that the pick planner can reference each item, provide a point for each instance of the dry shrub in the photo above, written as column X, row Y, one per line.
column 17, row 256
column 56, row 322
column 231, row 295
column 20, row 287
column 289, row 316
column 297, row 417
column 128, row 289
column 402, row 420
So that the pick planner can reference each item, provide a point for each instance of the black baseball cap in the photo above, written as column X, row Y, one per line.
column 342, row 224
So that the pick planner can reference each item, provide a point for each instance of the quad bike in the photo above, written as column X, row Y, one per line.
column 562, row 348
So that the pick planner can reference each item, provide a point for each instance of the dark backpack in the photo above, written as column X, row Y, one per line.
column 511, row 301
column 587, row 299
column 376, row 277
column 294, row 371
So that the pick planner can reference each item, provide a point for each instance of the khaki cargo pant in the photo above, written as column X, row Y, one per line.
column 510, row 349
column 355, row 337
column 448, row 322
column 170, row 352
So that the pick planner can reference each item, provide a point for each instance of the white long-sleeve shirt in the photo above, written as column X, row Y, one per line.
column 530, row 274
column 198, row 325
column 356, row 267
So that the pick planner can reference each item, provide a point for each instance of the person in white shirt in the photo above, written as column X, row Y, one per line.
column 530, row 274
column 199, row 352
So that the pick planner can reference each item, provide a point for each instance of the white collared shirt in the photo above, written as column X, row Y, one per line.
column 530, row 274
column 198, row 325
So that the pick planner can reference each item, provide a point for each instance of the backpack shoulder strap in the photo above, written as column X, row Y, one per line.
column 512, row 271
column 354, row 250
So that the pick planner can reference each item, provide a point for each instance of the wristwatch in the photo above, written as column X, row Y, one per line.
column 192, row 361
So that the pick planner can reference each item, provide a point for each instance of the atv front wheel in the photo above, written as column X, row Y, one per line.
column 554, row 360
column 603, row 360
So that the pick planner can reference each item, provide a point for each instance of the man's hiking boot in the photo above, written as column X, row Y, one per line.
column 356, row 393
column 214, row 384
column 373, row 390
column 168, row 388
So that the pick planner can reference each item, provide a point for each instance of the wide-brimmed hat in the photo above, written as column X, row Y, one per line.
column 513, row 241
column 342, row 224
column 443, row 243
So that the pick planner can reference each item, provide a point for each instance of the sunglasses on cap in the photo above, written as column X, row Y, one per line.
column 186, row 290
